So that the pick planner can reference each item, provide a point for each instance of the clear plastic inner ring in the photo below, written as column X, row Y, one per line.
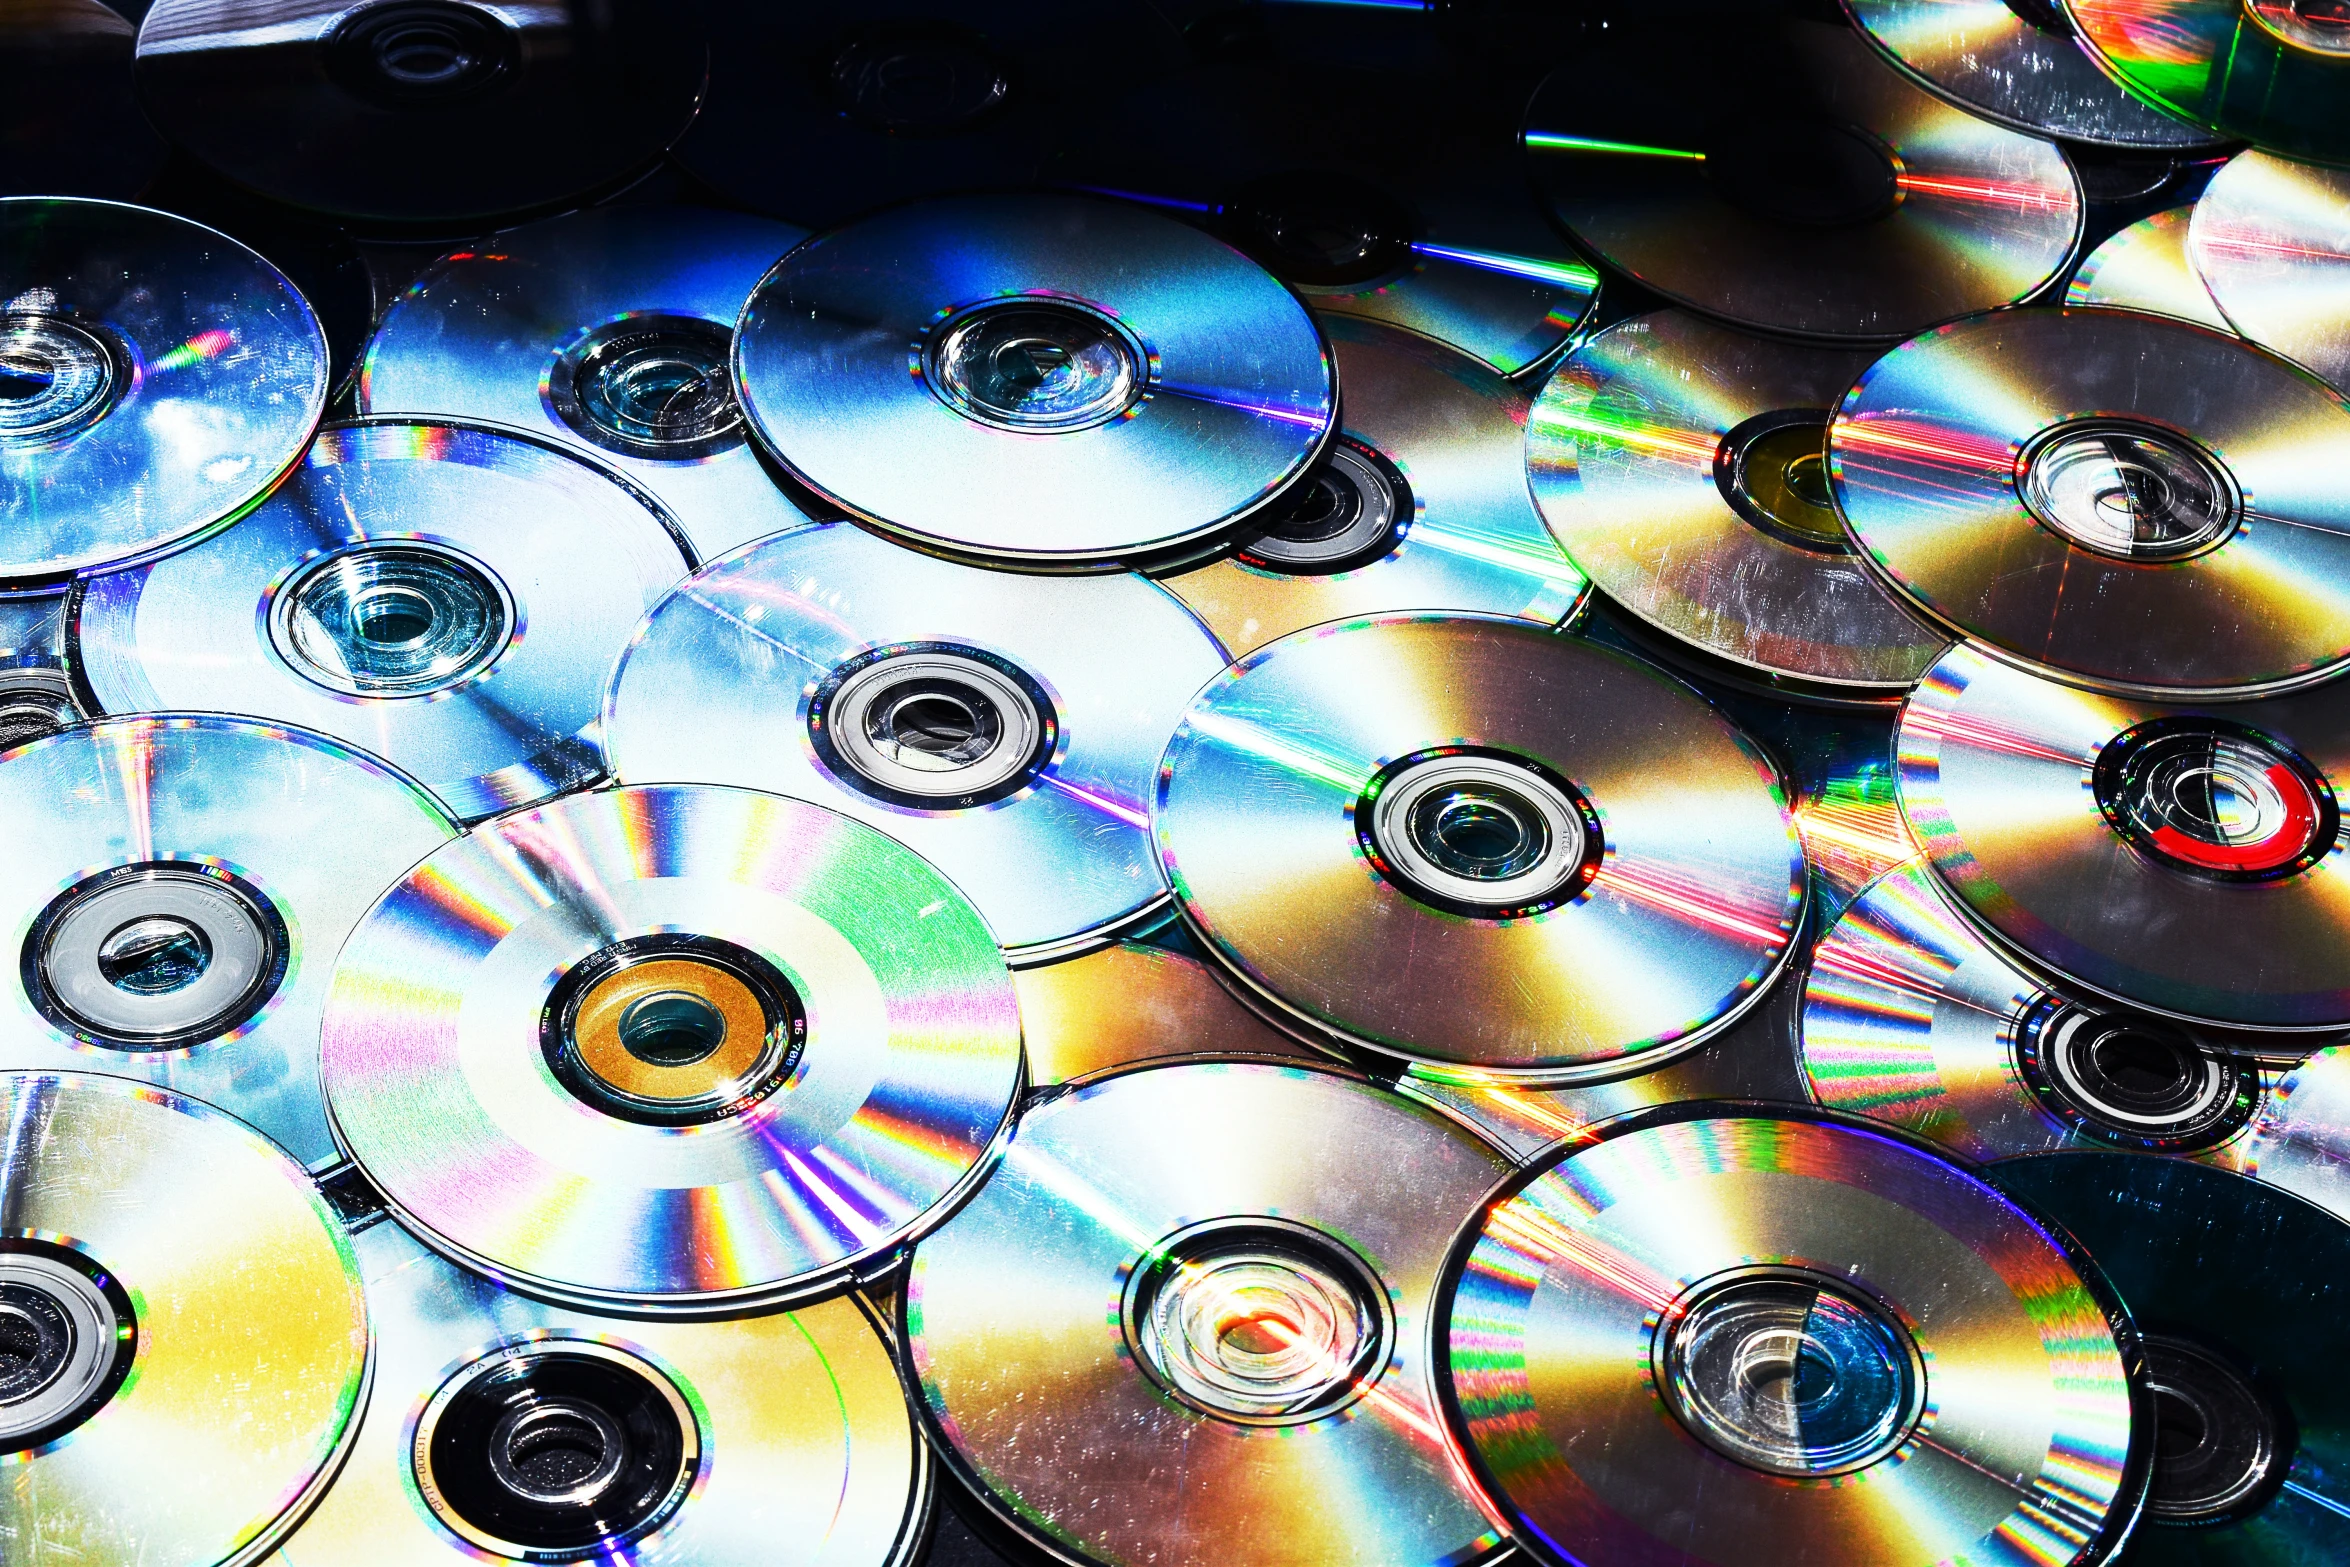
column 58, row 1337
column 935, row 725
column 55, row 377
column 2129, row 491
column 560, row 1453
column 2133, row 1074
column 2217, row 1445
column 1040, row 366
column 1347, row 508
column 1478, row 831
column 2318, row 26
column 392, row 620
column 162, row 955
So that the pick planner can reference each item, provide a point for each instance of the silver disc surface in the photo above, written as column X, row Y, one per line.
column 450, row 597
column 2272, row 239
column 1049, row 379
column 2146, row 267
column 609, row 331
column 1005, row 727
column 156, row 378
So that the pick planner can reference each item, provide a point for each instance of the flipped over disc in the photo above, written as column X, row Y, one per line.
column 2272, row 239
column 2272, row 72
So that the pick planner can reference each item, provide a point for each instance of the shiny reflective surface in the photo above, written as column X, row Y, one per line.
column 2244, row 68
column 2301, row 1139
column 1130, row 1005
column 1999, row 780
column 2146, row 267
column 575, row 557
column 2272, row 238
column 1630, row 454
column 1682, row 916
column 445, row 1095
column 805, row 1452
column 156, row 378
column 1465, row 538
column 513, row 330
column 248, row 1376
column 835, row 362
column 746, row 674
column 1934, row 456
column 1788, row 178
column 1556, row 1333
column 1264, row 1195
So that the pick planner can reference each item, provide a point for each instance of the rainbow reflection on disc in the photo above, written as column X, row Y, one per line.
column 2272, row 239
column 1205, row 1291
column 1850, row 1349
column 2272, row 72
column 678, row 1048
column 2146, row 267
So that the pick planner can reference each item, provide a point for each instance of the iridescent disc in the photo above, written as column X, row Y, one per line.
column 1048, row 379
column 449, row 596
column 1683, row 465
column 2146, row 267
column 2117, row 499
column 1718, row 1337
column 1133, row 1005
column 176, row 897
column 2241, row 1292
column 73, row 125
column 1476, row 844
column 156, row 378
column 1785, row 177
column 2272, row 72
column 2184, row 860
column 1911, row 1018
column 1420, row 504
column 2018, row 64
column 1852, row 828
column 188, row 1344
column 2272, row 239
column 781, row 1440
column 406, row 112
column 1184, row 1322
column 607, row 331
column 1005, row 727
column 685, row 1049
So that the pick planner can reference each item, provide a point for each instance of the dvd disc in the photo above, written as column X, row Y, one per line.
column 2272, row 72
column 608, row 331
column 2112, row 498
column 1055, row 380
column 1783, row 176
column 2301, row 1137
column 682, row 1050
column 187, row 1340
column 1184, row 1322
column 1418, row 504
column 501, row 1428
column 2145, row 267
column 1004, row 727
column 422, row 112
column 156, row 378
column 908, row 98
column 1909, row 1017
column 2017, row 62
column 177, row 907
column 1134, row 1005
column 1475, row 844
column 1684, row 466
column 383, row 595
column 2241, row 1292
column 2184, row 860
column 1719, row 1336
column 2272, row 239
column 73, row 125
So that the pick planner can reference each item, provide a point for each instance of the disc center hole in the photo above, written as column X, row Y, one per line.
column 2320, row 26
column 393, row 617
column 2180, row 1429
column 1481, row 831
column 672, row 1028
column 557, row 1452
column 1773, row 470
column 54, row 377
column 407, row 52
column 2143, row 1067
column 1046, row 367
column 1255, row 1326
column 2219, row 1447
column 2214, row 797
column 2129, row 492
column 934, row 725
column 385, row 620
column 154, row 955
column 36, row 1342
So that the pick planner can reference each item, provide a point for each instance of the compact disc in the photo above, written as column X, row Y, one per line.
column 2185, row 860
column 2272, row 72
column 449, row 596
column 1851, row 825
column 1782, row 175
column 1684, row 466
column 187, row 1341
column 2241, row 1291
column 608, row 331
column 1056, row 380
column 896, row 99
column 2113, row 498
column 503, row 1429
column 2272, row 239
column 1419, row 503
column 156, row 378
column 2145, row 267
column 1132, row 1005
column 422, row 112
column 1730, row 1335
column 2301, row 1137
column 1909, row 1017
column 1184, row 1322
column 685, row 1050
column 176, row 898
column 2018, row 62
column 1477, row 844
column 73, row 126
column 1007, row 728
